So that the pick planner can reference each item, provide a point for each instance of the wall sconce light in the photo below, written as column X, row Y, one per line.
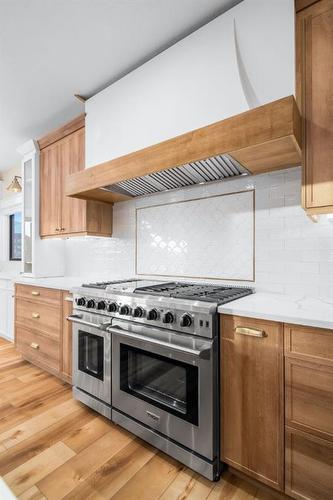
column 15, row 186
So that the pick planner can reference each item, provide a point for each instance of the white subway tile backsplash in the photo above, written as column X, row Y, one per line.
column 292, row 254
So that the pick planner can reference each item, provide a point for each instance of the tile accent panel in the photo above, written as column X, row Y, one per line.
column 184, row 238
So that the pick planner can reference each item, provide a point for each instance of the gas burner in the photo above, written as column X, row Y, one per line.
column 102, row 285
column 196, row 291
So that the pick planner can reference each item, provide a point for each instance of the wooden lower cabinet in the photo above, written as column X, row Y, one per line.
column 252, row 398
column 309, row 412
column 66, row 339
column 309, row 397
column 277, row 404
column 42, row 333
column 309, row 466
column 39, row 348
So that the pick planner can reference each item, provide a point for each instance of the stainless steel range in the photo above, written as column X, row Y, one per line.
column 145, row 354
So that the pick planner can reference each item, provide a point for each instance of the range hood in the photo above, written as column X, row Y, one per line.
column 198, row 172
column 260, row 140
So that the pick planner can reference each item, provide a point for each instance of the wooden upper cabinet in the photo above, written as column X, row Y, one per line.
column 62, row 154
column 71, row 161
column 252, row 398
column 314, row 71
column 50, row 191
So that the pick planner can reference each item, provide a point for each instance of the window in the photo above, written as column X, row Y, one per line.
column 15, row 236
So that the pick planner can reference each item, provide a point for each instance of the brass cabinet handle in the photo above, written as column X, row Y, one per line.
column 57, row 228
column 35, row 293
column 251, row 332
column 62, row 229
column 35, row 315
column 34, row 345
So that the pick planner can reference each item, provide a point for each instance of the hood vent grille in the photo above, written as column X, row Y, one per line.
column 209, row 170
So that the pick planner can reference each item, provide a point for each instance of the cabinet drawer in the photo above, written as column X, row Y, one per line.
column 39, row 294
column 309, row 466
column 313, row 344
column 309, row 397
column 38, row 348
column 40, row 317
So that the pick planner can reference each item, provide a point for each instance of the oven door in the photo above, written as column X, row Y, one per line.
column 91, row 359
column 166, row 381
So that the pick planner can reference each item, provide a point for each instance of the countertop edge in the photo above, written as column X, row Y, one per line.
column 280, row 318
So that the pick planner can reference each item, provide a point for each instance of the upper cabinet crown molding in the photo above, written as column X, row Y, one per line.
column 62, row 132
column 303, row 4
column 262, row 139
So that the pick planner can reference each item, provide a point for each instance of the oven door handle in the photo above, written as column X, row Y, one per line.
column 77, row 318
column 199, row 353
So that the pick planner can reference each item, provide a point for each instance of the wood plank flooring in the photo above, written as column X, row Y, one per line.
column 52, row 447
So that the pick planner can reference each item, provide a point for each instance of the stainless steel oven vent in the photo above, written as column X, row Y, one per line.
column 208, row 170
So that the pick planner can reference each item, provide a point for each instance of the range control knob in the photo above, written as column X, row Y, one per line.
column 112, row 307
column 90, row 304
column 152, row 315
column 138, row 312
column 81, row 301
column 101, row 305
column 168, row 317
column 125, row 310
column 186, row 320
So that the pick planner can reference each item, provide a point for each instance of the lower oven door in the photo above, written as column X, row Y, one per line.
column 92, row 359
column 166, row 381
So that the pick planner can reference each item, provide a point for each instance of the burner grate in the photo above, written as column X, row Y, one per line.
column 193, row 291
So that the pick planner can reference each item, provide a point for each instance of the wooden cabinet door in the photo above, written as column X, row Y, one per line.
column 50, row 191
column 66, row 343
column 252, row 408
column 309, row 397
column 309, row 466
column 71, row 161
column 314, row 42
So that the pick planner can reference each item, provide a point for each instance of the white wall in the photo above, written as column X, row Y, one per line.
column 242, row 59
column 7, row 177
column 292, row 254
column 9, row 203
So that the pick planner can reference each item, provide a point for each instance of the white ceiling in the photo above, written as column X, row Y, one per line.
column 53, row 49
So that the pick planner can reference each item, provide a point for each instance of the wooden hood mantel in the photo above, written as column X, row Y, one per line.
column 262, row 139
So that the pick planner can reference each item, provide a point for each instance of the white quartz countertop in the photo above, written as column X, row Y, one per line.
column 275, row 307
column 60, row 283
column 8, row 277
column 64, row 282
column 296, row 310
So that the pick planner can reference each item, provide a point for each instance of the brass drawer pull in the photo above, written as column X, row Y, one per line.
column 35, row 315
column 57, row 228
column 34, row 345
column 251, row 332
column 35, row 294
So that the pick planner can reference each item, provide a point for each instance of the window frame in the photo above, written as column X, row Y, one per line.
column 11, row 233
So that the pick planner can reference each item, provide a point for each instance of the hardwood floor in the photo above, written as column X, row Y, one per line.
column 52, row 447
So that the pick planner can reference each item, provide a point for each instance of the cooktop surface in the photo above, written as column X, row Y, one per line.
column 196, row 291
column 182, row 290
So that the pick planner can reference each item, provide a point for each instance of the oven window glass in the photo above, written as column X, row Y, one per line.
column 161, row 381
column 91, row 354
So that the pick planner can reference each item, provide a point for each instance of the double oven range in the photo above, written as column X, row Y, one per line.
column 145, row 355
